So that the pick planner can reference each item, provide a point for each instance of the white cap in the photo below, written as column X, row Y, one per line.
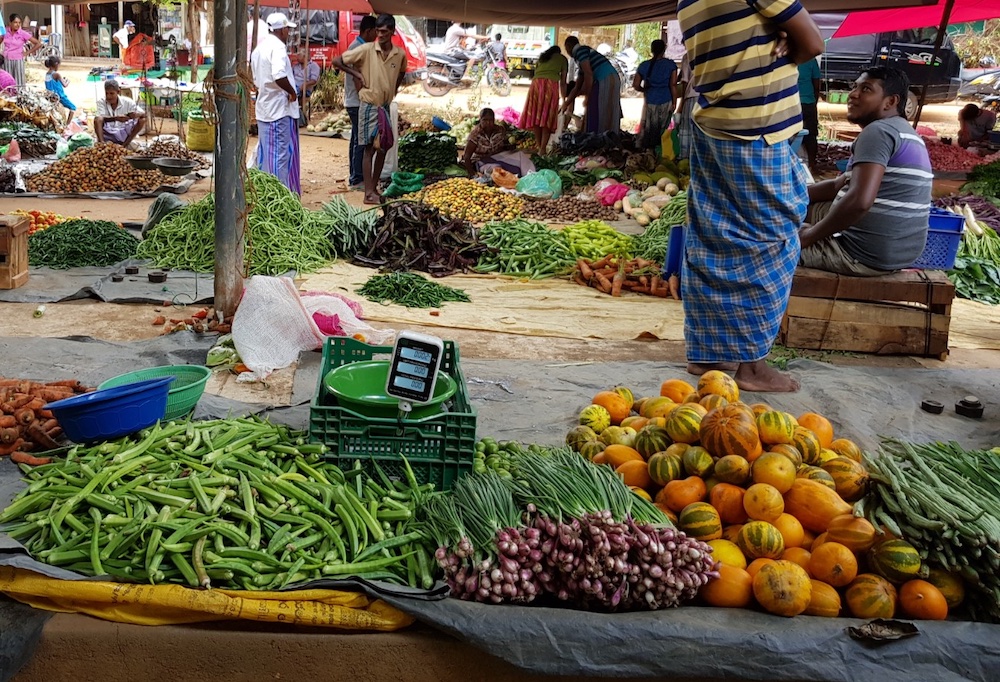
column 277, row 21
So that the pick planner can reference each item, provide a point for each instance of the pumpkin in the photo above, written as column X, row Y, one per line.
column 691, row 398
column 656, row 421
column 732, row 469
column 825, row 455
column 676, row 389
column 782, row 588
column 729, row 430
column 579, row 435
column 951, row 585
column 700, row 521
column 728, row 501
column 849, row 477
column 818, row 541
column 684, row 423
column 808, row 537
column 833, row 564
column 819, row 425
column 854, row 532
column 921, row 600
column 635, row 421
column 824, row 601
column 616, row 455
column 663, row 468
column 791, row 530
column 759, row 409
column 775, row 427
column 617, row 406
column 641, row 492
column 591, row 449
column 806, row 442
column 871, row 596
column 759, row 539
column 680, row 493
column 746, row 408
column 846, row 448
column 758, row 564
column 656, row 407
column 670, row 513
column 775, row 470
column 717, row 382
column 798, row 556
column 600, row 457
column 618, row 435
column 595, row 417
column 626, row 394
column 651, row 439
column 789, row 451
column 727, row 552
column 638, row 403
column 634, row 474
column 763, row 502
column 816, row 474
column 733, row 588
column 697, row 461
column 712, row 401
column 895, row 560
column 814, row 505
column 732, row 532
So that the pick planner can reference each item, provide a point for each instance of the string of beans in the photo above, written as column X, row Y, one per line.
column 235, row 503
column 524, row 248
column 80, row 243
column 409, row 289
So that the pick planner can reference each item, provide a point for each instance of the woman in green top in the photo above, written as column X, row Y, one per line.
column 541, row 109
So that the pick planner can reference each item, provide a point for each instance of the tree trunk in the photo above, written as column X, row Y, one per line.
column 194, row 35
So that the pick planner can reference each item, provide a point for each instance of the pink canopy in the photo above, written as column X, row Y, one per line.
column 958, row 11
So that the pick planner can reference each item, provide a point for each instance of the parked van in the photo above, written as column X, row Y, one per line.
column 331, row 33
column 911, row 50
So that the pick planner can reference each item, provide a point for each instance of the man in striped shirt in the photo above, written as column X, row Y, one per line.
column 873, row 219
column 747, row 195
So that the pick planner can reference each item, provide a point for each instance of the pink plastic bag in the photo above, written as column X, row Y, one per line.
column 612, row 193
column 13, row 154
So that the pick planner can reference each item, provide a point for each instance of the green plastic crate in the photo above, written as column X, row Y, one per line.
column 439, row 448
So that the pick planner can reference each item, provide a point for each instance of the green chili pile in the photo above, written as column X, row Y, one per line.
column 350, row 229
column 80, row 243
column 524, row 248
column 409, row 289
column 235, row 503
column 280, row 238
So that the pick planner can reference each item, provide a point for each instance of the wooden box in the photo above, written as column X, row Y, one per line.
column 905, row 313
column 13, row 251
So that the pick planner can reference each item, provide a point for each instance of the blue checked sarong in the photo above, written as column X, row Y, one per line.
column 746, row 201
column 278, row 151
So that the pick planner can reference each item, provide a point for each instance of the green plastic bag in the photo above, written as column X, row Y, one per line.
column 543, row 184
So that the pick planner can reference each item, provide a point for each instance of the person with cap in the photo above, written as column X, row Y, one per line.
column 119, row 119
column 380, row 67
column 14, row 42
column 122, row 36
column 355, row 178
column 277, row 105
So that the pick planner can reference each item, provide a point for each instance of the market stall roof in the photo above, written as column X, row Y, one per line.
column 948, row 11
column 582, row 12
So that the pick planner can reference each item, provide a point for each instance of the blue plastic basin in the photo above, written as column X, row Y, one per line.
column 112, row 412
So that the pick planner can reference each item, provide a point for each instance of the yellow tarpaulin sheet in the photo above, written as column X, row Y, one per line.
column 175, row 605
column 558, row 307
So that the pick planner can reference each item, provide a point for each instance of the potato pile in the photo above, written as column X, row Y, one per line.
column 467, row 199
column 568, row 210
column 101, row 168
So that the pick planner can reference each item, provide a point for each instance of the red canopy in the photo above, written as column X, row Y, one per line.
column 878, row 21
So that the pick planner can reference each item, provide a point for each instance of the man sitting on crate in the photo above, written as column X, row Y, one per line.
column 873, row 218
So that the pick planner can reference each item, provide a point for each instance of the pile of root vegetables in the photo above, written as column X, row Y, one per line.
column 612, row 275
column 25, row 425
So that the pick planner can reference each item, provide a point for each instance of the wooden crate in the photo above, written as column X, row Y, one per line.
column 905, row 313
column 13, row 251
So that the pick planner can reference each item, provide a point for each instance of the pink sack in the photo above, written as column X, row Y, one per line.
column 612, row 193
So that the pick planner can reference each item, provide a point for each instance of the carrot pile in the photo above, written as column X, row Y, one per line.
column 612, row 275
column 25, row 424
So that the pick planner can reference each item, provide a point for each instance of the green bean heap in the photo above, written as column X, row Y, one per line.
column 524, row 248
column 80, row 243
column 409, row 289
column 236, row 503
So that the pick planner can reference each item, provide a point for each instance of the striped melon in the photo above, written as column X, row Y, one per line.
column 664, row 467
column 618, row 435
column 579, row 435
column 595, row 417
column 895, row 560
column 651, row 439
column 697, row 461
column 846, row 448
column 718, row 383
column 816, row 474
column 732, row 469
column 807, row 443
column 789, row 451
column 712, row 401
column 760, row 539
column 730, row 430
column 849, row 477
column 701, row 521
column 775, row 427
column 871, row 596
column 591, row 449
column 626, row 394
column 683, row 424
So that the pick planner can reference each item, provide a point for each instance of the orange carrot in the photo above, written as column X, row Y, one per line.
column 604, row 284
column 674, row 284
column 578, row 278
column 9, row 435
column 71, row 384
column 49, row 424
column 24, row 416
column 616, row 287
column 7, row 449
column 24, row 458
column 603, row 263
column 7, row 421
column 40, row 437
column 585, row 270
column 50, row 395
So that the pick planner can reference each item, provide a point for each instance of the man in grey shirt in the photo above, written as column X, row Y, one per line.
column 873, row 219
column 356, row 151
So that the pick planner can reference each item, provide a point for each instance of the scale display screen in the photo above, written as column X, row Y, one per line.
column 413, row 371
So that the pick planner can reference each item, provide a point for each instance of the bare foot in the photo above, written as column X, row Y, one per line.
column 699, row 368
column 373, row 199
column 760, row 376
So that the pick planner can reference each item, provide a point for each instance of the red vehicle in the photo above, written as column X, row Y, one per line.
column 330, row 34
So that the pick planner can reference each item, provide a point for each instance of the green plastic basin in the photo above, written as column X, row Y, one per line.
column 360, row 386
column 184, row 393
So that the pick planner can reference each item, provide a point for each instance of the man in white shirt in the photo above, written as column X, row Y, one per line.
column 277, row 105
column 453, row 40
column 122, row 36
column 119, row 119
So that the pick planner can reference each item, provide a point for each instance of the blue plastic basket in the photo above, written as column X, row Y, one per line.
column 112, row 412
column 943, row 238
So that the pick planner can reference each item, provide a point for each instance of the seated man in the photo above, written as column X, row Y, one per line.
column 119, row 119
column 306, row 73
column 974, row 125
column 872, row 219
column 488, row 146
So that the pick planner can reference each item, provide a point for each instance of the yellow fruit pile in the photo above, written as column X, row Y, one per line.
column 470, row 200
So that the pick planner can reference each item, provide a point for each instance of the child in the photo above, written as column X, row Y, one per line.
column 55, row 83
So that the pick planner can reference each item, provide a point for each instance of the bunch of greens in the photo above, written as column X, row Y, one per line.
column 976, row 274
column 409, row 289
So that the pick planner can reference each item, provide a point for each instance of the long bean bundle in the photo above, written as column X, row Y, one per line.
column 280, row 239
column 350, row 229
column 524, row 248
column 945, row 501
column 81, row 242
column 238, row 503
column 652, row 243
column 409, row 289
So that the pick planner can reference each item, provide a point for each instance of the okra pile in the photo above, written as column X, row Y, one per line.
column 234, row 503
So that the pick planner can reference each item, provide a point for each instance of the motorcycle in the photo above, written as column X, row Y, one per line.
column 445, row 72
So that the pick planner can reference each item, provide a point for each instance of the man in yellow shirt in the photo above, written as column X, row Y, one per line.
column 380, row 67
